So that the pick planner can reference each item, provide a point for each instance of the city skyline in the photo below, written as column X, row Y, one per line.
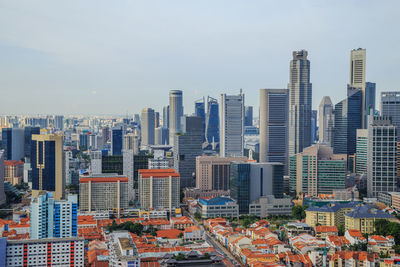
column 126, row 56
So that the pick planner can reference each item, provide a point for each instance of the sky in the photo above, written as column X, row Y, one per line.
column 97, row 57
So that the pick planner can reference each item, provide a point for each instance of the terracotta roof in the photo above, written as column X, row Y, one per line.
column 325, row 229
column 13, row 162
column 158, row 173
column 354, row 233
column 192, row 228
column 169, row 234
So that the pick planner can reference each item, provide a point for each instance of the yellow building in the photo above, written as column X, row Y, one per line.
column 363, row 219
column 47, row 162
column 331, row 214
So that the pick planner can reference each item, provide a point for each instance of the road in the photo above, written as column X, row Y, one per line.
column 216, row 245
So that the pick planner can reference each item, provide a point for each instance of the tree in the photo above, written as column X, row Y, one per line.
column 298, row 212
column 180, row 235
column 136, row 228
column 180, row 257
column 197, row 216
column 341, row 230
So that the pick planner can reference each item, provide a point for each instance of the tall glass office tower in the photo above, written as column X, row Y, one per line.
column 212, row 121
column 300, row 96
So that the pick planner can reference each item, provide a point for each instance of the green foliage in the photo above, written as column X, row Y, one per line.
column 180, row 257
column 299, row 212
column 180, row 235
column 248, row 220
column 396, row 249
column 341, row 230
column 206, row 256
column 384, row 255
column 22, row 186
column 385, row 228
column 358, row 247
column 135, row 228
column 197, row 216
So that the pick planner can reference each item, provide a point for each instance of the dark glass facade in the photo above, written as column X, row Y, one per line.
column 112, row 164
column 28, row 139
column 212, row 121
column 45, row 156
column 348, row 118
column 239, row 185
column 117, row 142
column 7, row 143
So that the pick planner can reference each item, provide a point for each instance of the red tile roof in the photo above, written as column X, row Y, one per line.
column 158, row 173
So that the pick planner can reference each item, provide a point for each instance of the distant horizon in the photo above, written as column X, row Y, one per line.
column 112, row 58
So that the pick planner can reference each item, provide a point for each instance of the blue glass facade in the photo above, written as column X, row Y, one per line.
column 199, row 111
column 117, row 141
column 28, row 139
column 239, row 185
column 48, row 154
column 7, row 143
column 348, row 118
column 212, row 121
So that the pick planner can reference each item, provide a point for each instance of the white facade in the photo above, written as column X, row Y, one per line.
column 147, row 127
column 127, row 159
column 231, row 128
column 95, row 162
column 122, row 250
column 41, row 252
column 326, row 121
column 175, row 114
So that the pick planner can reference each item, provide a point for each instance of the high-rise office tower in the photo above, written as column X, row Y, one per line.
column 28, row 140
column 83, row 141
column 248, row 116
column 156, row 119
column 348, row 118
column 147, row 124
column 357, row 67
column 59, row 122
column 2, row 194
column 187, row 146
column 200, row 111
column 212, row 172
column 95, row 161
column 52, row 218
column 300, row 97
column 166, row 117
column 161, row 136
column 362, row 151
column 317, row 170
column 381, row 156
column 48, row 165
column 231, row 128
column 13, row 143
column 274, row 125
column 212, row 121
column 175, row 114
column 326, row 121
column 131, row 142
column 116, row 141
column 358, row 80
column 105, row 131
column 128, row 170
column 390, row 107
column 249, row 181
column 314, row 127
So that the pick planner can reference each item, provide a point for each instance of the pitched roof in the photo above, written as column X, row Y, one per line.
column 169, row 234
column 367, row 211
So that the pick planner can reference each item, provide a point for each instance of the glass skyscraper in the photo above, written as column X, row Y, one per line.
column 348, row 118
column 239, row 185
column 212, row 121
column 116, row 141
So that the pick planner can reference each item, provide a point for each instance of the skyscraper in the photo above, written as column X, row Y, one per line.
column 13, row 143
column 131, row 142
column 362, row 151
column 166, row 117
column 212, row 121
column 300, row 97
column 59, row 122
column 358, row 81
column 248, row 116
column 317, row 170
column 231, row 128
column 381, row 156
column 147, row 124
column 52, row 218
column 28, row 140
column 175, row 114
column 326, row 121
column 314, row 126
column 2, row 194
column 274, row 125
column 199, row 111
column 161, row 136
column 348, row 118
column 390, row 107
column 187, row 146
column 116, row 141
column 48, row 165
column 95, row 161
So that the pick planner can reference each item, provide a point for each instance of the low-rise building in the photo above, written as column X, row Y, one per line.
column 322, row 231
column 193, row 233
column 269, row 205
column 218, row 207
column 381, row 244
column 354, row 236
column 331, row 214
column 363, row 218
column 122, row 250
column 294, row 229
column 13, row 171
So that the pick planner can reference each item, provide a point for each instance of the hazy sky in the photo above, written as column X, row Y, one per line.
column 114, row 57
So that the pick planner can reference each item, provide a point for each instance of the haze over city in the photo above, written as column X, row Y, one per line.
column 117, row 57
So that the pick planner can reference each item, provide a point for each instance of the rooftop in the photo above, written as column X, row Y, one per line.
column 367, row 211
column 158, row 173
